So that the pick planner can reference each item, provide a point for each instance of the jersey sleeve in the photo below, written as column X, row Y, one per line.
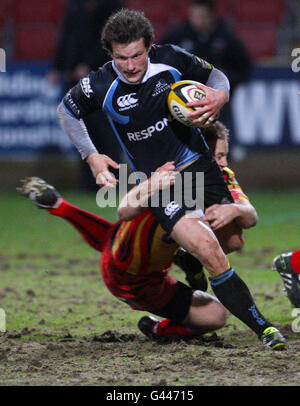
column 191, row 66
column 233, row 185
column 81, row 100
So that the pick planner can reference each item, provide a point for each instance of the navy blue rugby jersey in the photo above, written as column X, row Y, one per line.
column 138, row 113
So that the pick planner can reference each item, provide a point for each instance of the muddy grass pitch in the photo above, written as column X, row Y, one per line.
column 64, row 328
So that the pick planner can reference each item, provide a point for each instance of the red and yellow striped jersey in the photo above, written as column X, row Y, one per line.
column 233, row 185
column 140, row 246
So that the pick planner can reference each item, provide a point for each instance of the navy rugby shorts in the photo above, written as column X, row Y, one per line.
column 169, row 207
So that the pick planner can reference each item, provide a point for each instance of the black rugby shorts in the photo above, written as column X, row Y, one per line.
column 169, row 207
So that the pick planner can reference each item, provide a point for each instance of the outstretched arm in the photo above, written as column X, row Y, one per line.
column 77, row 104
column 136, row 200
column 99, row 165
column 77, row 132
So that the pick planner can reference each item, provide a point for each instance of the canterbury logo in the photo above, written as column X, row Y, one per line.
column 172, row 208
column 127, row 101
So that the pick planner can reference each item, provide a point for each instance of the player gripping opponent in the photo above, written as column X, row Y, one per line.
column 136, row 257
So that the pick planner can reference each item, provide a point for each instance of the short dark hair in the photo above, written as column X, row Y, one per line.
column 210, row 4
column 218, row 131
column 126, row 26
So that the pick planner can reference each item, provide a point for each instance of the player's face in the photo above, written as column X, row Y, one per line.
column 131, row 59
column 221, row 153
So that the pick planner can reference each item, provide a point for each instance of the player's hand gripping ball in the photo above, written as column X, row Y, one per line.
column 181, row 93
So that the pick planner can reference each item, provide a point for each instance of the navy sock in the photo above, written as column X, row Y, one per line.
column 234, row 294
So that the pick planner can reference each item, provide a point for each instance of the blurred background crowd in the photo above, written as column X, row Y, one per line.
column 51, row 44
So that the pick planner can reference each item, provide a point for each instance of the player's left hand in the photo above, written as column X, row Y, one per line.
column 219, row 215
column 208, row 109
column 168, row 166
column 163, row 177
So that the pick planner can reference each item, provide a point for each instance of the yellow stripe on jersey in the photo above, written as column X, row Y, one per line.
column 230, row 173
column 203, row 63
column 139, row 246
column 233, row 185
column 120, row 237
column 162, row 253
column 136, row 258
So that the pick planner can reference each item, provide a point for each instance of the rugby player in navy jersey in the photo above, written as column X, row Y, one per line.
column 132, row 90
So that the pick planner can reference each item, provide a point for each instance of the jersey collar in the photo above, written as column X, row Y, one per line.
column 121, row 77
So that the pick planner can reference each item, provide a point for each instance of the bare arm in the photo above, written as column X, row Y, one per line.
column 241, row 211
column 247, row 215
column 136, row 200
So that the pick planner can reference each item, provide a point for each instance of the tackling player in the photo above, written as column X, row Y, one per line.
column 136, row 257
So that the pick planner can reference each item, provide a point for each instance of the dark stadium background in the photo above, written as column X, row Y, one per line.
column 265, row 125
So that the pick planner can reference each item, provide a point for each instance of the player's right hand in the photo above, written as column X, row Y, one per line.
column 99, row 165
column 208, row 109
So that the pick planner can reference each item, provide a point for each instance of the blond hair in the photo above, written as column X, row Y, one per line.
column 218, row 131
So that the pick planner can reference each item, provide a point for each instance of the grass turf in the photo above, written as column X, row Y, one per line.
column 62, row 321
column 50, row 275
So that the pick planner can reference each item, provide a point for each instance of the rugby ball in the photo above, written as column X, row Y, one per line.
column 183, row 92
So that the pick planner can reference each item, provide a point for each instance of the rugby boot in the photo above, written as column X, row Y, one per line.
column 40, row 192
column 273, row 339
column 147, row 326
column 282, row 264
column 192, row 268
